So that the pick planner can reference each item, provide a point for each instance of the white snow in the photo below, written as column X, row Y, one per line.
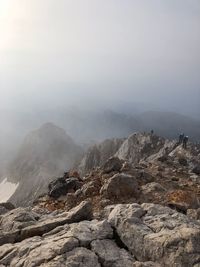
column 7, row 189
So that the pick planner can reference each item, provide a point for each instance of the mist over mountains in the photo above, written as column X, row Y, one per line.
column 90, row 126
column 33, row 158
column 94, row 95
column 45, row 153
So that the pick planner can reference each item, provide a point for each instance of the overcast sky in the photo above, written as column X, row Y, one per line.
column 70, row 51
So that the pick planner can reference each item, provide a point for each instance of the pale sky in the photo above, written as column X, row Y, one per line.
column 63, row 51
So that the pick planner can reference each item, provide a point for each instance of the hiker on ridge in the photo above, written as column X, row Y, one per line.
column 185, row 141
column 181, row 137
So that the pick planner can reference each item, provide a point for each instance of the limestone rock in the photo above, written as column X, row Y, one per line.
column 112, row 164
column 159, row 234
column 61, row 247
column 119, row 186
column 139, row 146
column 17, row 219
column 110, row 255
column 22, row 224
column 97, row 155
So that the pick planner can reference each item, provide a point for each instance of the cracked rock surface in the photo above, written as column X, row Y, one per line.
column 132, row 235
column 156, row 233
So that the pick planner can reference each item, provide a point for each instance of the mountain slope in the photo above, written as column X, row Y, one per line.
column 44, row 154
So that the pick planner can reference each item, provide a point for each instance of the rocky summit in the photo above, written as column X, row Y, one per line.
column 137, row 205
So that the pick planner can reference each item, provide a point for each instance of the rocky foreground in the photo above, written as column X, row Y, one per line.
column 138, row 208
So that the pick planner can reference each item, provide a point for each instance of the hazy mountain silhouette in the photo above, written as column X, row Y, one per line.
column 44, row 154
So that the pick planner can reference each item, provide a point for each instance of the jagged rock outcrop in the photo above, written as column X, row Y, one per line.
column 157, row 233
column 45, row 154
column 132, row 235
column 139, row 146
column 97, row 155
column 133, row 149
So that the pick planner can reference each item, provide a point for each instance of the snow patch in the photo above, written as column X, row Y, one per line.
column 7, row 189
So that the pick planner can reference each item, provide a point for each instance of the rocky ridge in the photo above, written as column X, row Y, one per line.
column 138, row 208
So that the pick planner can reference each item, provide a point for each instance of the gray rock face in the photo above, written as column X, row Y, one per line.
column 17, row 219
column 112, row 164
column 154, row 235
column 97, row 155
column 119, row 186
column 159, row 234
column 111, row 255
column 22, row 223
column 139, row 146
column 133, row 149
column 70, row 241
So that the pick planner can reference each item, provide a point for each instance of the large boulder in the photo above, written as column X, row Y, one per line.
column 62, row 186
column 158, row 234
column 120, row 186
column 112, row 164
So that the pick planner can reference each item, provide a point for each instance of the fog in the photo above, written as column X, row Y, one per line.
column 58, row 58
column 56, row 53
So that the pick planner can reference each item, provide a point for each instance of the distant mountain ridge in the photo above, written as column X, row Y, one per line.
column 44, row 154
column 90, row 127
